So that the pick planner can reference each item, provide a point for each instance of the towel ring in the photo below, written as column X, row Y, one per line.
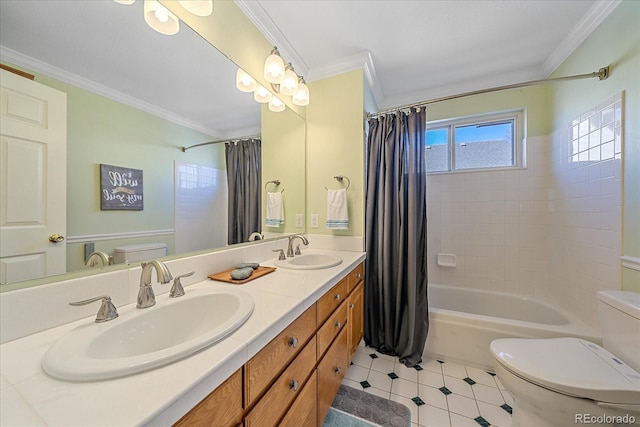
column 275, row 182
column 340, row 178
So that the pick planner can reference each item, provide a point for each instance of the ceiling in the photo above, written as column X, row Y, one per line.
column 411, row 51
column 416, row 50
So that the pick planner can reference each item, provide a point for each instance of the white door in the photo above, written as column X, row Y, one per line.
column 33, row 171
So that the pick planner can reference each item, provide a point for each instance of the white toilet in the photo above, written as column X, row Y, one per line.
column 569, row 381
column 139, row 252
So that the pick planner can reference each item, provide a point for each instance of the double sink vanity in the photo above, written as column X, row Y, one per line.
column 272, row 351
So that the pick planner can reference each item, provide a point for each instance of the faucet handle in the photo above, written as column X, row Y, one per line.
column 298, row 250
column 176, row 289
column 107, row 310
column 281, row 256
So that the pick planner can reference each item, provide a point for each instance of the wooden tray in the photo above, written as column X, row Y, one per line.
column 225, row 276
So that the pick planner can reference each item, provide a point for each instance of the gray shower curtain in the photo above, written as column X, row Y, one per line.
column 244, row 171
column 396, row 308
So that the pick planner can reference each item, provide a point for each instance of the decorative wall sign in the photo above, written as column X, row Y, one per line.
column 120, row 188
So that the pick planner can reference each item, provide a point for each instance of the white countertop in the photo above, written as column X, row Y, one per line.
column 28, row 396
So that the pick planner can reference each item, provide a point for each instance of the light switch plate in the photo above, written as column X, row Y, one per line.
column 314, row 221
column 299, row 220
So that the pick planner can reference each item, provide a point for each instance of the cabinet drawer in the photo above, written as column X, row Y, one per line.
column 327, row 332
column 260, row 371
column 332, row 299
column 356, row 275
column 331, row 371
column 303, row 412
column 223, row 407
column 275, row 402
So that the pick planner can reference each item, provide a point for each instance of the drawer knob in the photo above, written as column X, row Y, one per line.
column 351, row 305
column 293, row 385
column 359, row 275
column 336, row 297
column 293, row 342
column 338, row 370
column 338, row 325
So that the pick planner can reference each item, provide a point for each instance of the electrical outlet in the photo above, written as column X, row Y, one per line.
column 299, row 220
column 314, row 221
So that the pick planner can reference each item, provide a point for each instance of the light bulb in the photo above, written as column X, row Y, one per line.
column 160, row 18
column 289, row 85
column 274, row 68
column 262, row 95
column 127, row 2
column 301, row 97
column 276, row 105
column 244, row 81
column 198, row 7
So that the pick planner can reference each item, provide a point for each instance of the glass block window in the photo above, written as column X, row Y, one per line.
column 597, row 134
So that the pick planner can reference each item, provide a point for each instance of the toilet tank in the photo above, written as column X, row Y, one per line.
column 139, row 252
column 619, row 313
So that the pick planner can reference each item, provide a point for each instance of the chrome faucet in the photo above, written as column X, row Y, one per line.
column 290, row 246
column 146, row 297
column 93, row 258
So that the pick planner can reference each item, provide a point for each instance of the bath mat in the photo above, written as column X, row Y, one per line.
column 371, row 408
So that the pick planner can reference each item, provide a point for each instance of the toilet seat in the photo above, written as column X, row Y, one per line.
column 570, row 366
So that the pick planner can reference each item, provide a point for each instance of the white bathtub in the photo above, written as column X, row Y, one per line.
column 463, row 322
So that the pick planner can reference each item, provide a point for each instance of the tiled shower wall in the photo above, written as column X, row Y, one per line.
column 551, row 231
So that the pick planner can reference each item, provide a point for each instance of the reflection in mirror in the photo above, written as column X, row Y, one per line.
column 134, row 98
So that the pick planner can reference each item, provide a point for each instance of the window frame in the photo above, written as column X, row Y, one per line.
column 481, row 119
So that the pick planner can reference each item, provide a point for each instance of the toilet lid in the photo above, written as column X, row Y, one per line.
column 570, row 366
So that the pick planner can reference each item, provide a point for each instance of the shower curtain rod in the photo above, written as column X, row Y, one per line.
column 219, row 141
column 601, row 74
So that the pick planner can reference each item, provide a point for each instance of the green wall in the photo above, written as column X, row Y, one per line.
column 616, row 42
column 101, row 130
column 335, row 146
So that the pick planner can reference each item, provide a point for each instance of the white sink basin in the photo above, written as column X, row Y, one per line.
column 144, row 339
column 310, row 260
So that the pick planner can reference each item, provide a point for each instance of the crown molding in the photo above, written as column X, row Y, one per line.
column 261, row 19
column 594, row 17
column 38, row 66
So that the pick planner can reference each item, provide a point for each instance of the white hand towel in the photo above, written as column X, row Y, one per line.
column 275, row 210
column 337, row 212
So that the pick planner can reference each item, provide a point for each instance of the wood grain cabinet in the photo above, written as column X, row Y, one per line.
column 223, row 407
column 293, row 380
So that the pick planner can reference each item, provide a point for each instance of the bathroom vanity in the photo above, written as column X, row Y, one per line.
column 293, row 379
column 282, row 366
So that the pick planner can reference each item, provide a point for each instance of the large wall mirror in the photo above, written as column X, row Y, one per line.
column 134, row 99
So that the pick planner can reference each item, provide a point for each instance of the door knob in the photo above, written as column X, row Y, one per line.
column 56, row 238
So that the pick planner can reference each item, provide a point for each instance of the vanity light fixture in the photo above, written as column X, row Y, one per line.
column 244, row 82
column 262, row 95
column 276, row 105
column 159, row 18
column 289, row 85
column 198, row 7
column 301, row 97
column 274, row 67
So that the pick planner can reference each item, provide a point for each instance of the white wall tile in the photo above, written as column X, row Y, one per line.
column 551, row 230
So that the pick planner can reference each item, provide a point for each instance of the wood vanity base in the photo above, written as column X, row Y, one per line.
column 293, row 380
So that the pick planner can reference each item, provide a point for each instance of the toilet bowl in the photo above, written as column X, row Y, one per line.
column 570, row 381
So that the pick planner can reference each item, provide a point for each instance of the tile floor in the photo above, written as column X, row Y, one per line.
column 439, row 394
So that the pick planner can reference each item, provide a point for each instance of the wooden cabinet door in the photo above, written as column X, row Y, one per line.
column 223, row 407
column 272, row 406
column 303, row 411
column 331, row 371
column 355, row 322
column 260, row 371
